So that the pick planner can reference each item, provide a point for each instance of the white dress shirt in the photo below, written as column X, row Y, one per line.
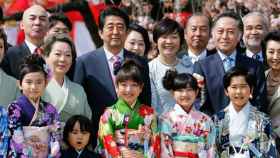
column 110, row 60
column 30, row 46
column 251, row 54
column 195, row 58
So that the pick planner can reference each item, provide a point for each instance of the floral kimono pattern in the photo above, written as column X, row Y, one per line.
column 128, row 132
column 4, row 132
column 258, row 138
column 22, row 122
column 185, row 134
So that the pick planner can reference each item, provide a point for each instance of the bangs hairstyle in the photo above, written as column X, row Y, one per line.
column 239, row 71
column 32, row 63
column 130, row 70
column 173, row 80
column 85, row 125
column 272, row 36
column 168, row 26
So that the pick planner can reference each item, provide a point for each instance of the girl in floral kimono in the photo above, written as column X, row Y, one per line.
column 33, row 123
column 128, row 128
column 242, row 130
column 185, row 132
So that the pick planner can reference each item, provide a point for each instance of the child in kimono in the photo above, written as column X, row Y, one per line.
column 242, row 130
column 185, row 132
column 128, row 128
column 77, row 134
column 33, row 124
column 4, row 132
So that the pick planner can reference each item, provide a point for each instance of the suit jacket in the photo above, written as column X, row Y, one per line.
column 185, row 52
column 213, row 71
column 14, row 58
column 73, row 102
column 93, row 73
column 8, row 89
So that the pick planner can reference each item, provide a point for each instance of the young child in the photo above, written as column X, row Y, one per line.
column 77, row 135
column 185, row 132
column 128, row 128
column 33, row 124
column 242, row 130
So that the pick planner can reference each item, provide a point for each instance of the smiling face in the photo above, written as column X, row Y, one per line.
column 129, row 91
column 226, row 35
column 169, row 45
column 273, row 54
column 60, row 58
column 113, row 33
column 33, row 85
column 78, row 139
column 197, row 33
column 238, row 92
column 254, row 31
column 135, row 43
column 185, row 97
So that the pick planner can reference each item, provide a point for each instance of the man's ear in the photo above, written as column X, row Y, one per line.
column 100, row 32
column 21, row 26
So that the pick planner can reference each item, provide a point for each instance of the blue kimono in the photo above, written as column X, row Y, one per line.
column 4, row 132
column 257, row 139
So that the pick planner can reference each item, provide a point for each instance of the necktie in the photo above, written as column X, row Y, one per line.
column 39, row 51
column 257, row 57
column 116, row 64
column 228, row 63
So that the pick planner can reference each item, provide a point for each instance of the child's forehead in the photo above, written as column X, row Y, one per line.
column 238, row 79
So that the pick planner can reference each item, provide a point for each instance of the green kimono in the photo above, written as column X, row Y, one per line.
column 125, row 131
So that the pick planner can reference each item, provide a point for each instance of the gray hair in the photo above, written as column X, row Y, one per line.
column 264, row 19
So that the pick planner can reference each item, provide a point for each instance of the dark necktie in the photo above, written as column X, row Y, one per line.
column 39, row 51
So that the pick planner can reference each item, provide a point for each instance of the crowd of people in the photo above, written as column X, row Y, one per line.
column 195, row 79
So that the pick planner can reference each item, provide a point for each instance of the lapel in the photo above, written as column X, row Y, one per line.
column 25, row 49
column 103, row 71
column 219, row 67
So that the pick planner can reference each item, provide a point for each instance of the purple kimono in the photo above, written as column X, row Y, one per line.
column 33, row 137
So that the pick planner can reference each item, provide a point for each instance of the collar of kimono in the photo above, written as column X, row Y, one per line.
column 123, row 107
column 27, row 108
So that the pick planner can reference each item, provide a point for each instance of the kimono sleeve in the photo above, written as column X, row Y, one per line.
column 4, row 132
column 166, row 138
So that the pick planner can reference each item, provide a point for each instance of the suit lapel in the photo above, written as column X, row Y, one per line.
column 25, row 50
column 103, row 71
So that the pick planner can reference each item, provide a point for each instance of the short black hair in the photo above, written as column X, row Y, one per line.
column 112, row 11
column 272, row 36
column 173, row 80
column 168, row 26
column 232, row 15
column 196, row 14
column 144, row 33
column 130, row 70
column 85, row 125
column 239, row 71
column 33, row 63
column 53, row 19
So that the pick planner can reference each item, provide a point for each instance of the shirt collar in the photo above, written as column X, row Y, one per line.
column 251, row 54
column 109, row 55
column 195, row 57
column 31, row 46
column 223, row 56
column 244, row 111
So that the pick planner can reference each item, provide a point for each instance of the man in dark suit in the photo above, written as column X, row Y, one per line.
column 256, row 26
column 197, row 33
column 95, row 70
column 35, row 25
column 227, row 31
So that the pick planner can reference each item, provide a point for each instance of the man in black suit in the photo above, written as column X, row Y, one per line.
column 256, row 26
column 95, row 70
column 197, row 34
column 35, row 25
column 227, row 31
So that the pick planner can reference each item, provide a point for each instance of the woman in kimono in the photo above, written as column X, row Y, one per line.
column 8, row 87
column 128, row 128
column 185, row 132
column 242, row 130
column 33, row 123
column 68, row 97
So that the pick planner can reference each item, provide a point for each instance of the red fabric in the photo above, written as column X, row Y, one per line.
column 111, row 146
column 156, row 146
column 145, row 110
column 185, row 154
column 17, row 6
